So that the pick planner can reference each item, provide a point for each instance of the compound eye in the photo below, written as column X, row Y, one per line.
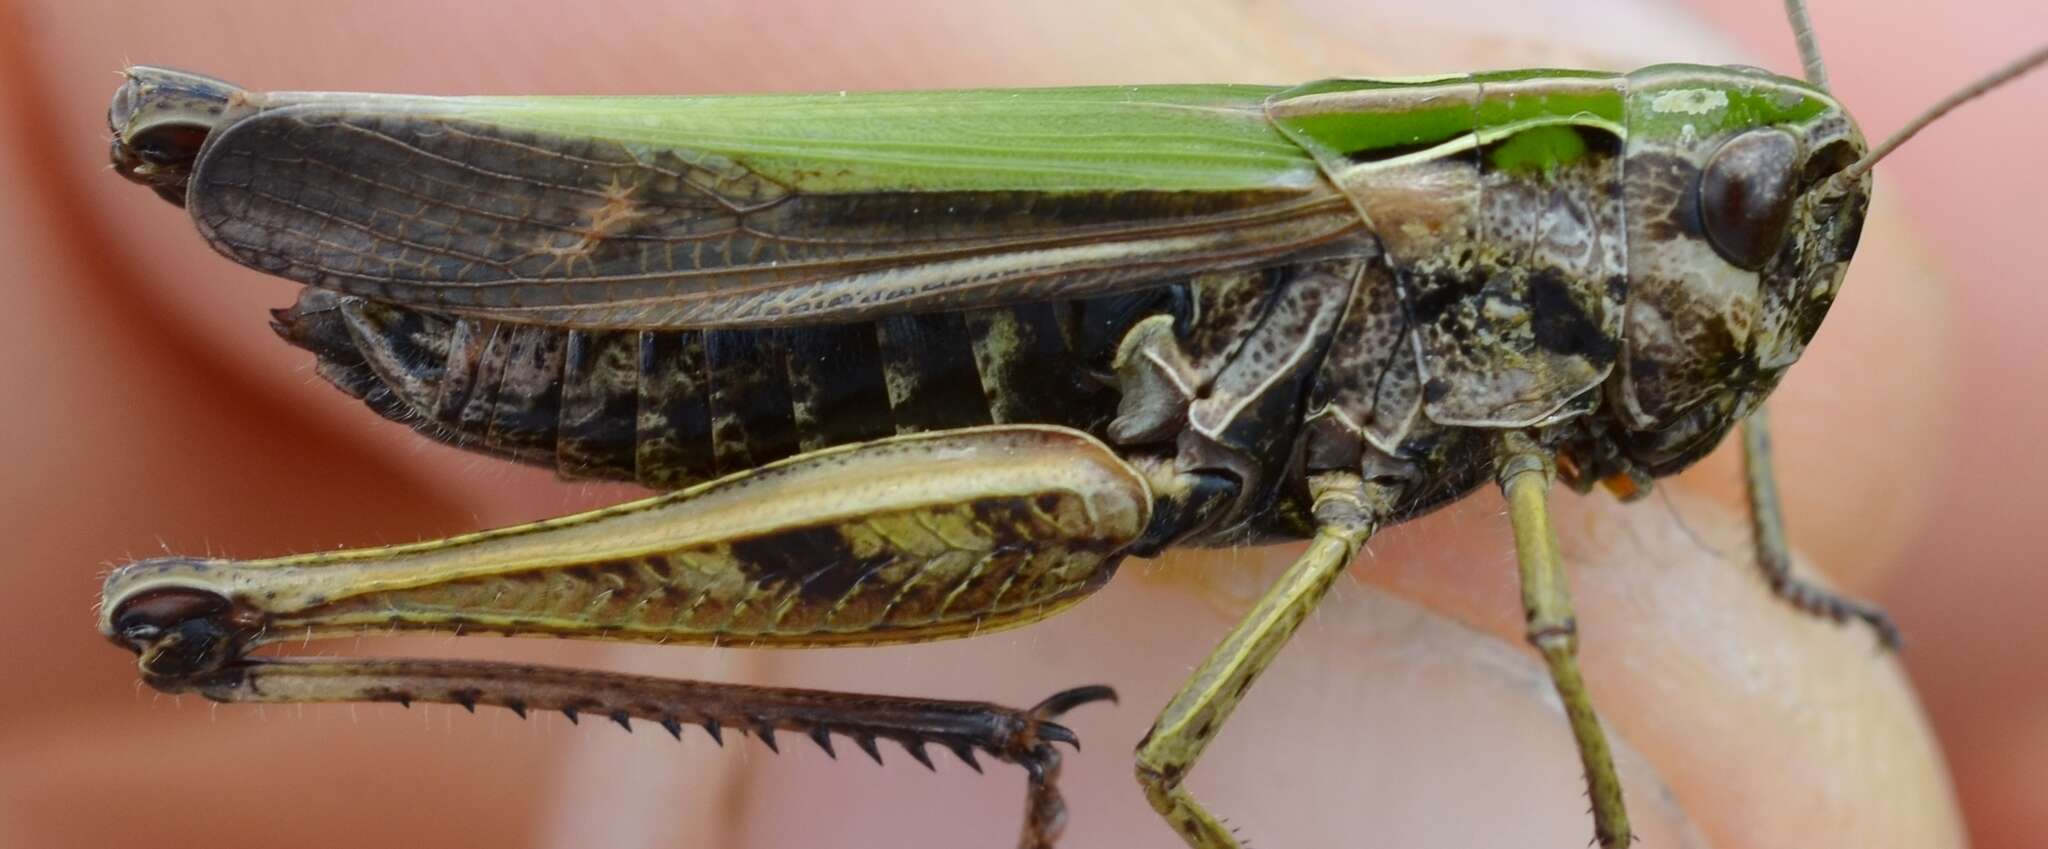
column 1746, row 194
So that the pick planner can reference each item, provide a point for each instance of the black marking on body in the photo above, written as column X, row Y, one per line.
column 771, row 423
column 933, row 382
column 1438, row 293
column 1559, row 323
column 527, row 407
column 1455, row 462
column 819, row 561
column 1030, row 371
column 480, row 406
column 1100, row 323
column 1016, row 522
column 459, row 378
column 1380, row 153
column 751, row 418
column 600, row 404
column 836, row 384
column 1600, row 141
column 674, row 431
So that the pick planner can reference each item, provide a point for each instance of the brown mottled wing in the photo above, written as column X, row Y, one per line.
column 490, row 220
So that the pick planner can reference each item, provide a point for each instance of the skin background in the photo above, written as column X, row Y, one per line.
column 152, row 412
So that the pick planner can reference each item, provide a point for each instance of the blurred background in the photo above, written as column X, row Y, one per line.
column 152, row 411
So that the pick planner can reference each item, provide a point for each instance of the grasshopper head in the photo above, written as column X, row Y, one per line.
column 160, row 117
column 1738, row 237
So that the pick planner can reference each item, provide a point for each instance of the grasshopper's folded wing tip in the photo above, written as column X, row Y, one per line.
column 160, row 118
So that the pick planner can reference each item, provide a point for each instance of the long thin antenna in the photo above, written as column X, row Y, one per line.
column 1809, row 47
column 1964, row 95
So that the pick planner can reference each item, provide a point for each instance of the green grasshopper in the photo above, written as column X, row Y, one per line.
column 922, row 365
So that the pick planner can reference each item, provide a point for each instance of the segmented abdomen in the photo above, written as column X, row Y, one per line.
column 672, row 408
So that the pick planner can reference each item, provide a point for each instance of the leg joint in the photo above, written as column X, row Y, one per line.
column 1549, row 634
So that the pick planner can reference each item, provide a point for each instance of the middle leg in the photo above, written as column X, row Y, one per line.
column 1347, row 509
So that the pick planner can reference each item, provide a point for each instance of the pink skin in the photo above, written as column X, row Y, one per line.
column 157, row 413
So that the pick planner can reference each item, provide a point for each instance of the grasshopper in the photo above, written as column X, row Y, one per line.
column 900, row 384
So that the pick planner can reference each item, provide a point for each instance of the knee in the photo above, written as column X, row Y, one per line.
column 1562, row 633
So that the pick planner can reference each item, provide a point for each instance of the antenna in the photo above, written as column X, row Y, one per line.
column 1809, row 47
column 1963, row 95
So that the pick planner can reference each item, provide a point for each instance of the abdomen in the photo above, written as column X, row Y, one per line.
column 672, row 408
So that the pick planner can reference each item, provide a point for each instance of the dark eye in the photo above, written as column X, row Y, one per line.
column 1746, row 193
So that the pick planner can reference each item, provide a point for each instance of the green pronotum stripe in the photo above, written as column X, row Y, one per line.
column 1370, row 119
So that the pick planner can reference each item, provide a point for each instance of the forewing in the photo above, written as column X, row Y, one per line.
column 750, row 211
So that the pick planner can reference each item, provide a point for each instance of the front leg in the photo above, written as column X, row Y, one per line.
column 1525, row 473
column 1774, row 554
column 899, row 540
